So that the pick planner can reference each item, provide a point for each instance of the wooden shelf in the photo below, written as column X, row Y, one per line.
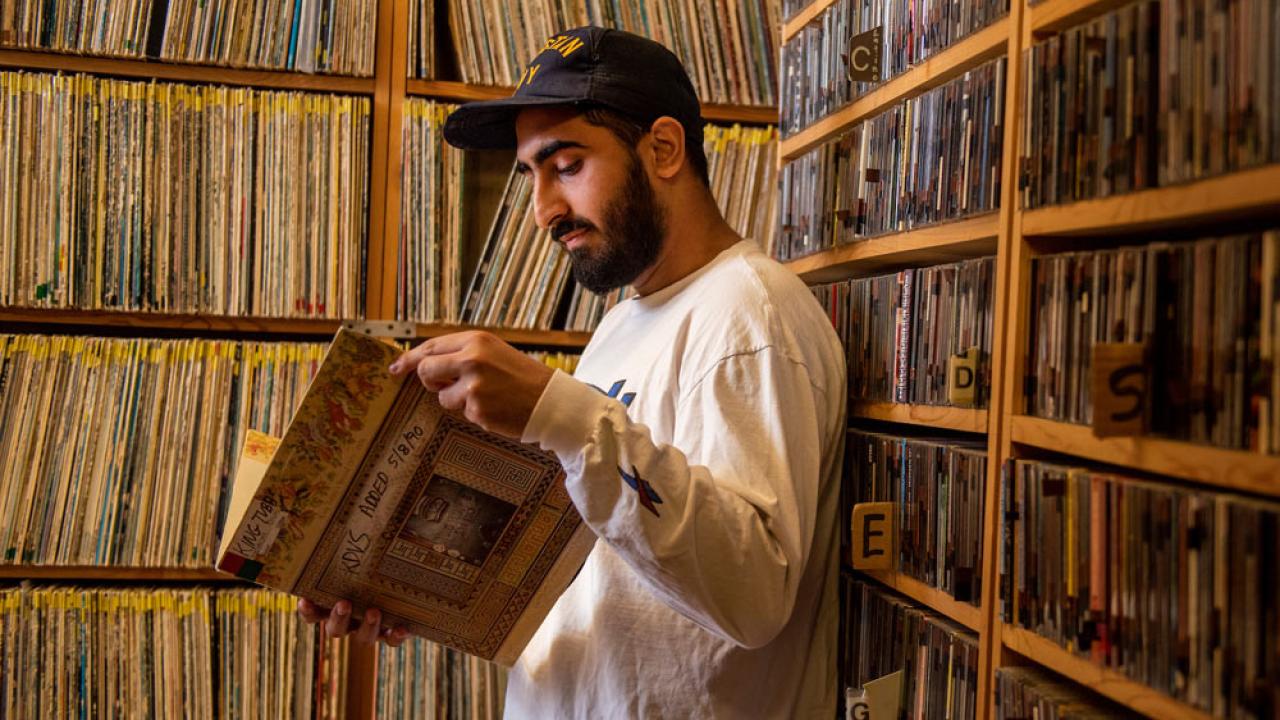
column 945, row 242
column 797, row 22
column 961, row 612
column 969, row 420
column 1051, row 16
column 100, row 572
column 1246, row 193
column 170, row 321
column 967, row 54
column 1229, row 469
column 268, row 326
column 185, row 72
column 550, row 338
column 462, row 92
column 1148, row 701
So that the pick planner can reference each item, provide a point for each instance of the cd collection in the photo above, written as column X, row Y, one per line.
column 938, row 486
column 901, row 331
column 882, row 633
column 1152, row 94
column 1030, row 692
column 1173, row 587
column 1205, row 312
column 815, row 79
column 932, row 158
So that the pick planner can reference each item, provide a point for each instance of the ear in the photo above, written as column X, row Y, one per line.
column 667, row 146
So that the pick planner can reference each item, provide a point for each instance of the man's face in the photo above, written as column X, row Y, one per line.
column 593, row 193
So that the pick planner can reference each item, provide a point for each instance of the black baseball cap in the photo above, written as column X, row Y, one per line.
column 586, row 66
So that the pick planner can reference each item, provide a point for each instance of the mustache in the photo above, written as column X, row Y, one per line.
column 564, row 227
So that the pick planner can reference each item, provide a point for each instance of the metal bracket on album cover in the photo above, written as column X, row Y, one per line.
column 382, row 328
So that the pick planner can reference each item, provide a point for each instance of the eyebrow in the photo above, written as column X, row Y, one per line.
column 546, row 151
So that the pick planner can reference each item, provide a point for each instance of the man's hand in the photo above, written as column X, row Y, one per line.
column 339, row 623
column 493, row 384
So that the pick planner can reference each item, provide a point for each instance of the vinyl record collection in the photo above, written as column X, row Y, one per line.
column 931, row 158
column 938, row 485
column 1173, row 587
column 119, row 451
column 815, row 79
column 1208, row 314
column 522, row 275
column 901, row 330
column 1030, row 692
column 314, row 36
column 422, row 39
column 155, row 653
column 728, row 49
column 421, row 680
column 883, row 633
column 1152, row 94
column 429, row 274
column 186, row 199
column 742, row 163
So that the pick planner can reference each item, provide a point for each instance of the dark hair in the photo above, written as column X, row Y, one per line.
column 628, row 130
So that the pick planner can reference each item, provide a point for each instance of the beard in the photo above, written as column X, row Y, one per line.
column 634, row 225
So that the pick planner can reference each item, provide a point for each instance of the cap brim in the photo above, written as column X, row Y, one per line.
column 491, row 124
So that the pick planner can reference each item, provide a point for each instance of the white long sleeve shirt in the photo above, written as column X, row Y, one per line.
column 702, row 436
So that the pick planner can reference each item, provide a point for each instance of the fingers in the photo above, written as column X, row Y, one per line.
column 311, row 612
column 339, row 622
column 371, row 628
column 438, row 372
column 443, row 345
column 394, row 637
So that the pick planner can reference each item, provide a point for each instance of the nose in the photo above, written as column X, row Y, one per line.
column 549, row 204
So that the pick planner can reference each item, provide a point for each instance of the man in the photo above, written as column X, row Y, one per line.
column 701, row 433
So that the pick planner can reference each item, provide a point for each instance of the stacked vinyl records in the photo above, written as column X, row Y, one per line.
column 315, row 36
column 421, row 680
column 119, row 451
column 166, row 197
column 728, row 49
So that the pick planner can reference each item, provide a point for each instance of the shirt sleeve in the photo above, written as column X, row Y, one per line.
column 719, row 528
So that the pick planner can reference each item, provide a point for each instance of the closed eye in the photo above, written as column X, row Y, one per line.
column 570, row 169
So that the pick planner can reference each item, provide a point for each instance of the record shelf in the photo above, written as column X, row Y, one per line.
column 387, row 89
column 1015, row 236
column 977, row 236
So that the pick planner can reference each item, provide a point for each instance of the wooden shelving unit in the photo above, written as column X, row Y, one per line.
column 1217, row 467
column 943, row 417
column 1135, row 696
column 1200, row 206
column 983, row 235
column 387, row 89
column 107, row 572
column 935, row 244
column 1248, row 193
column 143, row 321
column 184, row 72
column 461, row 92
column 968, row 615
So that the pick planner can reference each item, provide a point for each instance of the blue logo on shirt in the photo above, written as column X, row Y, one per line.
column 615, row 389
column 648, row 496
